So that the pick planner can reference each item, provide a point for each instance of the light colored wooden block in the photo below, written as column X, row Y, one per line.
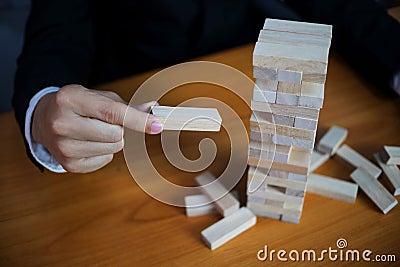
column 307, row 124
column 188, row 118
column 374, row 190
column 306, row 40
column 317, row 159
column 282, row 140
column 267, row 214
column 298, row 27
column 225, row 205
column 196, row 206
column 291, row 219
column 269, row 151
column 264, row 96
column 295, row 192
column 274, row 194
column 331, row 141
column 312, row 95
column 265, row 73
column 289, row 76
column 261, row 137
column 283, row 120
column 289, row 88
column 297, row 177
column 291, row 57
column 286, row 110
column 287, row 99
column 273, row 209
column 332, row 187
column 267, row 85
column 275, row 181
column 264, row 116
column 391, row 155
column 357, row 160
column 303, row 143
column 228, row 228
column 279, row 174
column 392, row 172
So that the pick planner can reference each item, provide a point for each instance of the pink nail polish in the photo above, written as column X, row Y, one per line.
column 156, row 127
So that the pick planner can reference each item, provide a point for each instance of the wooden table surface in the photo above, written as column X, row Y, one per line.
column 104, row 218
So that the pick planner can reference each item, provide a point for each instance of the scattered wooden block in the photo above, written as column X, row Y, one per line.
column 307, row 124
column 264, row 96
column 293, row 111
column 374, row 190
column 312, row 95
column 306, row 40
column 289, row 76
column 332, row 187
column 225, row 205
column 267, row 85
column 317, row 159
column 197, row 205
column 298, row 27
column 331, row 141
column 265, row 73
column 188, row 118
column 228, row 228
column 392, row 172
column 357, row 160
column 391, row 155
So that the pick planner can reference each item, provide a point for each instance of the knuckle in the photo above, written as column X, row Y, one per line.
column 65, row 148
column 71, row 166
column 56, row 127
column 111, row 113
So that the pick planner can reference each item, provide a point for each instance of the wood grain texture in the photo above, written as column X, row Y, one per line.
column 104, row 218
column 293, row 38
column 331, row 141
column 392, row 172
column 298, row 27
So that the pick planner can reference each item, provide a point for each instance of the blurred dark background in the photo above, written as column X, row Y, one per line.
column 13, row 15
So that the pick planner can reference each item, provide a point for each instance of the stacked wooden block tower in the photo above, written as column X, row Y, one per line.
column 290, row 64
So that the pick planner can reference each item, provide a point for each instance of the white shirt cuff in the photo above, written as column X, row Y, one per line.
column 39, row 152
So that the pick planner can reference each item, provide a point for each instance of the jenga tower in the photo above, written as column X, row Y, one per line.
column 290, row 64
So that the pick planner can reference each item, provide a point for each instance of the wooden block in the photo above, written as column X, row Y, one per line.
column 286, row 99
column 295, row 192
column 225, row 205
column 188, row 118
column 291, row 57
column 357, row 160
column 228, row 228
column 291, row 219
column 331, row 141
column 276, row 181
column 274, row 194
column 332, row 187
column 312, row 95
column 267, row 85
column 196, row 206
column 307, row 124
column 267, row 214
column 303, row 143
column 269, row 151
column 317, row 159
column 264, row 116
column 297, row 177
column 391, row 155
column 283, row 120
column 261, row 137
column 289, row 88
column 306, row 40
column 374, row 190
column 282, row 140
column 392, row 172
column 289, row 76
column 286, row 110
column 264, row 96
column 273, row 209
column 279, row 174
column 298, row 27
column 265, row 73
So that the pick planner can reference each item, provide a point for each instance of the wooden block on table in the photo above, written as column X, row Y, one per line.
column 225, row 205
column 197, row 205
column 228, row 228
column 392, row 172
column 332, row 187
column 312, row 95
column 374, row 190
column 317, row 159
column 331, row 141
column 307, row 124
column 289, row 88
column 265, row 73
column 292, row 111
column 267, row 85
column 298, row 27
column 390, row 155
column 306, row 40
column 188, row 118
column 264, row 96
column 357, row 160
column 289, row 76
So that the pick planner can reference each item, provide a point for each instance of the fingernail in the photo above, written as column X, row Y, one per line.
column 156, row 127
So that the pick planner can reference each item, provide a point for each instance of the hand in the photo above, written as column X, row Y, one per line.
column 82, row 128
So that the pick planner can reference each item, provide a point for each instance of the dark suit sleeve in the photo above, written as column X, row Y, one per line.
column 58, row 50
column 363, row 33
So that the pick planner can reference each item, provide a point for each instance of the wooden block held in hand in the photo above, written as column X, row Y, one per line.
column 358, row 160
column 197, row 205
column 332, row 187
column 392, row 172
column 188, row 118
column 331, row 141
column 225, row 205
column 228, row 228
column 391, row 155
column 374, row 190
